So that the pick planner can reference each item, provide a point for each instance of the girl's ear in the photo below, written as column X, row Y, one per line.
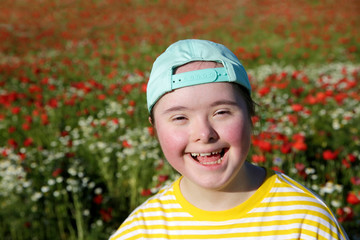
column 151, row 121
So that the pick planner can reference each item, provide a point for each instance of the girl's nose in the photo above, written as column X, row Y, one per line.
column 204, row 132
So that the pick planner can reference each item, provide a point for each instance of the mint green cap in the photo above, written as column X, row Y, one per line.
column 162, row 79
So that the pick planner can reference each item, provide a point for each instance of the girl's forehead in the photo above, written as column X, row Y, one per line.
column 197, row 65
column 198, row 96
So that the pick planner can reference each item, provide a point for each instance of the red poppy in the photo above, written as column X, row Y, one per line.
column 258, row 158
column 345, row 214
column 264, row 91
column 300, row 166
column 143, row 87
column 311, row 100
column 24, row 79
column 64, row 133
column 353, row 198
column 101, row 97
column 28, row 142
column 163, row 178
column 44, row 119
column 130, row 112
column 70, row 154
column 329, row 155
column 98, row 199
column 53, row 103
column 132, row 103
column 285, row 148
column 297, row 91
column 146, row 192
column 351, row 157
column 36, row 112
column 265, row 146
column 56, row 172
column 113, row 86
column 35, row 89
column 340, row 97
column 15, row 110
column 127, row 88
column 298, row 137
column 45, row 81
column 293, row 119
column 115, row 121
column 151, row 131
column 255, row 119
column 321, row 97
column 355, row 180
column 299, row 145
column 22, row 156
column 112, row 74
column 139, row 72
column 11, row 129
column 4, row 153
column 281, row 137
column 352, row 49
column 27, row 224
column 345, row 163
column 106, row 214
column 297, row 107
column 126, row 144
column 276, row 168
column 351, row 84
column 12, row 143
column 28, row 118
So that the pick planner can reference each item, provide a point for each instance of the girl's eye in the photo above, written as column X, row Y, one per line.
column 178, row 118
column 222, row 112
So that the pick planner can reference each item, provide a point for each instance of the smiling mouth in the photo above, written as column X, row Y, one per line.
column 211, row 158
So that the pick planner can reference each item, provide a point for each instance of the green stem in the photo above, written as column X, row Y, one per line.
column 78, row 217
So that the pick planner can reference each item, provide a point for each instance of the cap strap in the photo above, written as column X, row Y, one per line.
column 202, row 76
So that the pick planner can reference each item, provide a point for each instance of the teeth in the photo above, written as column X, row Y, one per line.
column 210, row 163
column 204, row 154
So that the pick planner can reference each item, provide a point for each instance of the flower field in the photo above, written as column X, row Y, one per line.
column 77, row 153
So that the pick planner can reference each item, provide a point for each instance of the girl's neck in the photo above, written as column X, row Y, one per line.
column 243, row 187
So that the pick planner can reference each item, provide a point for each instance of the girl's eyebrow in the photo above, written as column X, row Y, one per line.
column 224, row 102
column 174, row 109
column 214, row 104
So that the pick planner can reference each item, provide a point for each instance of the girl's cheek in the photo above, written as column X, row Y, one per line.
column 171, row 139
column 237, row 135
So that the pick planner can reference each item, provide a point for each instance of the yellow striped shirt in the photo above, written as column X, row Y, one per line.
column 280, row 209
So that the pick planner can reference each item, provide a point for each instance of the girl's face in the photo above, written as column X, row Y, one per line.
column 204, row 132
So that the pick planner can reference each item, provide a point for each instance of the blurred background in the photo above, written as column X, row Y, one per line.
column 77, row 153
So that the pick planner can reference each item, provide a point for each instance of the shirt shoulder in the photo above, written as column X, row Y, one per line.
column 288, row 196
column 163, row 206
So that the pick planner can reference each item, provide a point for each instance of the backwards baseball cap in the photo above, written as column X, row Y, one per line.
column 163, row 80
